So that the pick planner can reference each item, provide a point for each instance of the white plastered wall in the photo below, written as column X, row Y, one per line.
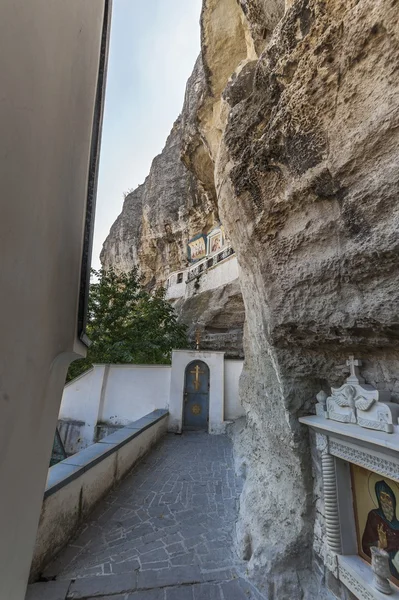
column 118, row 394
column 49, row 66
column 133, row 391
column 61, row 511
column 215, row 361
column 176, row 290
column 217, row 276
column 232, row 406
column 114, row 395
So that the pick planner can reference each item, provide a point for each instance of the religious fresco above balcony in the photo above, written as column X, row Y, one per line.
column 197, row 248
column 215, row 240
column 376, row 501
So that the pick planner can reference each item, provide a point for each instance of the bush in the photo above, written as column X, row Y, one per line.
column 127, row 324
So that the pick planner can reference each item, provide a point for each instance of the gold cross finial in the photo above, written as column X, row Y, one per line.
column 197, row 339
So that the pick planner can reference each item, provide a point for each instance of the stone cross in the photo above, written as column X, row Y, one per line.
column 354, row 365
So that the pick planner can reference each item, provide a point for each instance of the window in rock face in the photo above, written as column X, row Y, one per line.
column 180, row 278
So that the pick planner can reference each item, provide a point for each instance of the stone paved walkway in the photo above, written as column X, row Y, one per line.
column 164, row 534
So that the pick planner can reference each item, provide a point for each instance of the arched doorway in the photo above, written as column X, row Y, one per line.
column 196, row 396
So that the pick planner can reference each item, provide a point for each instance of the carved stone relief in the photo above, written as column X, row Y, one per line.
column 354, row 584
column 384, row 466
column 359, row 404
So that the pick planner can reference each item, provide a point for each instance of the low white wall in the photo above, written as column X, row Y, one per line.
column 78, row 388
column 132, row 391
column 115, row 395
column 80, row 403
column 232, row 406
column 75, row 485
column 110, row 394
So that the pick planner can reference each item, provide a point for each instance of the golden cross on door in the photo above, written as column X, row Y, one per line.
column 197, row 372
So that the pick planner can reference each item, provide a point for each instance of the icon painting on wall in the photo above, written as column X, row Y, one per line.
column 197, row 248
column 216, row 242
column 376, row 500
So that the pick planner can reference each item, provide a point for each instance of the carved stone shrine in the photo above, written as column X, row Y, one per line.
column 357, row 441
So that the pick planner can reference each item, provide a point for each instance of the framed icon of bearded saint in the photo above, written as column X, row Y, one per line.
column 376, row 500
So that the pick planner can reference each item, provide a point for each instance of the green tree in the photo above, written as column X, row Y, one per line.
column 127, row 324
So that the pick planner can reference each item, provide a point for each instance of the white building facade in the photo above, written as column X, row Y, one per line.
column 214, row 265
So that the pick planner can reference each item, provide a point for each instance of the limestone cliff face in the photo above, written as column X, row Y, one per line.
column 159, row 218
column 219, row 315
column 294, row 130
column 300, row 122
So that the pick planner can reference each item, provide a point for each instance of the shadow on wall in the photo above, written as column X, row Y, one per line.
column 107, row 398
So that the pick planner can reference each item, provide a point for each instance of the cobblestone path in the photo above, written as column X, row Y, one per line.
column 164, row 534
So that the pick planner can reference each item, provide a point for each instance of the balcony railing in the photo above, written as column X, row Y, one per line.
column 199, row 268
column 208, row 263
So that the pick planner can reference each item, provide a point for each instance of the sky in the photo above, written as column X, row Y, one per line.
column 153, row 48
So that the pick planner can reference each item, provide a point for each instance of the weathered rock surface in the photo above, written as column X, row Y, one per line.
column 295, row 131
column 158, row 218
column 307, row 182
column 219, row 315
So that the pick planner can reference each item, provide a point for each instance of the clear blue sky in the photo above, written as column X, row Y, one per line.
column 154, row 45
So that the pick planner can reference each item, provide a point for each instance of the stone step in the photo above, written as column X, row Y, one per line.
column 182, row 583
column 52, row 590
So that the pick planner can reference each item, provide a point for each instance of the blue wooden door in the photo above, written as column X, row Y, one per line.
column 196, row 396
